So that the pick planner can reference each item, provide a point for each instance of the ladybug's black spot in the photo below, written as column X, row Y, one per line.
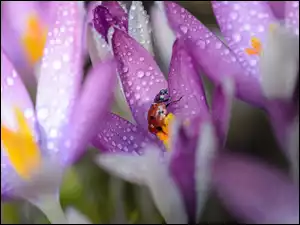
column 158, row 128
column 152, row 118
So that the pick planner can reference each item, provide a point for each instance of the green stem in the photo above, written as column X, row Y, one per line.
column 50, row 206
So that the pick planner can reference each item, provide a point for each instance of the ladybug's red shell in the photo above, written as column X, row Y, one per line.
column 156, row 115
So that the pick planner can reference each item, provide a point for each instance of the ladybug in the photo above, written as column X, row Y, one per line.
column 158, row 112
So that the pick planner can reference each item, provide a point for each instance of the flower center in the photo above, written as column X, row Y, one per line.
column 20, row 146
column 34, row 39
column 164, row 135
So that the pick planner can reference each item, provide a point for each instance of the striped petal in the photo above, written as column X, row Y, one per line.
column 245, row 26
column 185, row 83
column 140, row 75
column 61, row 71
column 292, row 16
column 255, row 192
column 213, row 57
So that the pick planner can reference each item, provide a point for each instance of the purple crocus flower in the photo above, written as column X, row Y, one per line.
column 137, row 155
column 38, row 143
column 255, row 53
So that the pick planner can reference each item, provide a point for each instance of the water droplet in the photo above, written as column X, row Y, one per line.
column 140, row 73
column 183, row 28
column 233, row 15
column 236, row 37
column 201, row 44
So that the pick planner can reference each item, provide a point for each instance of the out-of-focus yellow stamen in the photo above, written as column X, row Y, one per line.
column 21, row 148
column 34, row 39
column 256, row 47
column 164, row 136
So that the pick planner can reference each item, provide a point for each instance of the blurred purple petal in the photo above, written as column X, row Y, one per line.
column 221, row 107
column 214, row 58
column 93, row 104
column 140, row 75
column 278, row 8
column 118, row 135
column 292, row 16
column 185, row 82
column 239, row 23
column 254, row 192
column 13, row 95
column 13, row 29
column 182, row 169
column 139, row 26
column 61, row 70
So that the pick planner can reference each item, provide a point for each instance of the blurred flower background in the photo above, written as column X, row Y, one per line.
column 101, row 197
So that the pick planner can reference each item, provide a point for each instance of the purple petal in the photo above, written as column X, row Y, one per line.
column 107, row 15
column 278, row 8
column 185, row 82
column 140, row 75
column 241, row 21
column 182, row 169
column 92, row 106
column 193, row 149
column 118, row 135
column 118, row 13
column 13, row 29
column 13, row 95
column 255, row 192
column 221, row 108
column 61, row 70
column 139, row 26
column 214, row 58
column 292, row 16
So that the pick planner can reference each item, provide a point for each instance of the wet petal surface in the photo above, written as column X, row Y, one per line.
column 140, row 75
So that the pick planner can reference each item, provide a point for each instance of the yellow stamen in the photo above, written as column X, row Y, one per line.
column 21, row 148
column 256, row 47
column 164, row 136
column 34, row 39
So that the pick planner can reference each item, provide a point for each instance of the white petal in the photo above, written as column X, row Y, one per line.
column 129, row 167
column 164, row 37
column 75, row 217
column 45, row 181
column 207, row 146
column 97, row 46
column 279, row 64
column 166, row 194
column 138, row 25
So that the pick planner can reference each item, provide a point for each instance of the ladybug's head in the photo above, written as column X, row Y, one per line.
column 162, row 96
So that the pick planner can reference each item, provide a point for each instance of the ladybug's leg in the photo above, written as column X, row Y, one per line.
column 174, row 101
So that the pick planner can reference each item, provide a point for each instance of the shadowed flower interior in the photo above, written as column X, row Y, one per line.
column 20, row 146
column 34, row 38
